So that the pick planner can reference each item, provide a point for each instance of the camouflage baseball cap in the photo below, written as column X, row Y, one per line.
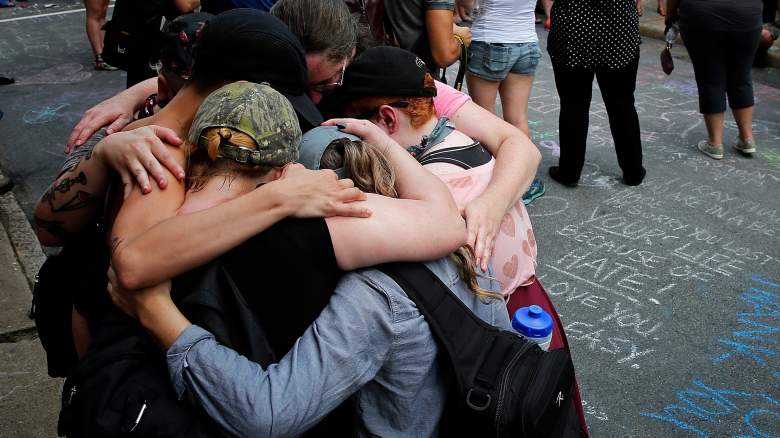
column 258, row 111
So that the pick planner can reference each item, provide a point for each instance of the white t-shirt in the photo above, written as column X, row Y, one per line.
column 505, row 21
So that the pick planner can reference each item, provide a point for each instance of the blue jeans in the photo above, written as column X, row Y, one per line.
column 494, row 61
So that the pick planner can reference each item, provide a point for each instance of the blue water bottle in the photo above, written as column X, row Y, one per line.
column 534, row 324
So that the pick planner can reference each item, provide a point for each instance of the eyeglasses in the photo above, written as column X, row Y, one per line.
column 396, row 104
column 321, row 88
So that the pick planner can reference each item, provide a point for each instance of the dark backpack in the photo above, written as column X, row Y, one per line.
column 122, row 387
column 134, row 31
column 501, row 384
column 75, row 276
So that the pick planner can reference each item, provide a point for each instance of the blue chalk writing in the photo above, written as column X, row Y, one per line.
column 757, row 337
column 44, row 115
column 702, row 410
column 755, row 429
column 706, row 404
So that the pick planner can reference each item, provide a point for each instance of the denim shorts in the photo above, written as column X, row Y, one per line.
column 494, row 61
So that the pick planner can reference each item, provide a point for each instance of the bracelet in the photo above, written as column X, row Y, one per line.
column 459, row 39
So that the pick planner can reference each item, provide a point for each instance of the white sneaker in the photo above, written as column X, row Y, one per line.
column 711, row 150
column 746, row 146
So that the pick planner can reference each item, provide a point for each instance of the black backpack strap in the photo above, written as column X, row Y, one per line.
column 466, row 157
column 464, row 60
column 466, row 338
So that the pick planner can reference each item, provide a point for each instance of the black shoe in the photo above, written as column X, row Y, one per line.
column 635, row 180
column 555, row 173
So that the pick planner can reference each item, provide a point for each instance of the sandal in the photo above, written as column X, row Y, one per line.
column 103, row 66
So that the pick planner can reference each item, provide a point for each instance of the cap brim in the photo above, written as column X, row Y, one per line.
column 305, row 108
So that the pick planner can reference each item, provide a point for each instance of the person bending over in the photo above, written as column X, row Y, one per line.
column 391, row 88
column 74, row 201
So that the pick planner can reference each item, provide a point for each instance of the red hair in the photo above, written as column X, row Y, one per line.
column 420, row 109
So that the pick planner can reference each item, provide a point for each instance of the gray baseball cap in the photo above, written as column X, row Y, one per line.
column 314, row 143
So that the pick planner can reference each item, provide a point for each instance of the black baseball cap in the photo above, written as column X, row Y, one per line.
column 252, row 45
column 386, row 71
column 178, row 41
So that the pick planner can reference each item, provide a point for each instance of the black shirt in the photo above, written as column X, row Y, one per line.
column 594, row 33
column 407, row 20
column 721, row 15
column 287, row 275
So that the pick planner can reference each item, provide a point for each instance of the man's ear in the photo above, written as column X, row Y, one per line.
column 389, row 119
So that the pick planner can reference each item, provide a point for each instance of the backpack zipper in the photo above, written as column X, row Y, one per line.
column 505, row 382
column 72, row 393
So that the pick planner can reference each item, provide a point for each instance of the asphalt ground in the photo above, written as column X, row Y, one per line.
column 670, row 291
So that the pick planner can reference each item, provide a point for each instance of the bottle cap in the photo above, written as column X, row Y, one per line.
column 532, row 322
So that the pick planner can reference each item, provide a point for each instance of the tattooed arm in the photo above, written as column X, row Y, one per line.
column 73, row 201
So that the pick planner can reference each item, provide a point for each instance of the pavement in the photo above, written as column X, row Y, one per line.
column 29, row 401
column 27, row 407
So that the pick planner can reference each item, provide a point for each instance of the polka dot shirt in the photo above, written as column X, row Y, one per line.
column 594, row 33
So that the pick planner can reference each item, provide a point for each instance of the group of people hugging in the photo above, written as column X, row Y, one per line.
column 232, row 160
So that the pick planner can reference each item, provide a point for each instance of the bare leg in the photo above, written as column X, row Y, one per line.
column 744, row 118
column 96, row 18
column 661, row 7
column 514, row 91
column 714, row 124
column 547, row 6
column 483, row 92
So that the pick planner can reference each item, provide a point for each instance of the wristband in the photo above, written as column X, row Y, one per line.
column 459, row 39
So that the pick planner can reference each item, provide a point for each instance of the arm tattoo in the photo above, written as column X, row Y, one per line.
column 65, row 185
column 82, row 153
column 80, row 200
column 54, row 228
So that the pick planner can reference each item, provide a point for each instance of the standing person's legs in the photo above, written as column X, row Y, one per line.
column 483, row 91
column 575, row 89
column 516, row 88
column 709, row 67
column 739, row 84
column 515, row 91
column 744, row 119
column 488, row 65
column 96, row 19
column 714, row 124
column 661, row 7
column 617, row 88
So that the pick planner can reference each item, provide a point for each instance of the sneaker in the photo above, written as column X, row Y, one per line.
column 711, row 150
column 535, row 191
column 745, row 146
